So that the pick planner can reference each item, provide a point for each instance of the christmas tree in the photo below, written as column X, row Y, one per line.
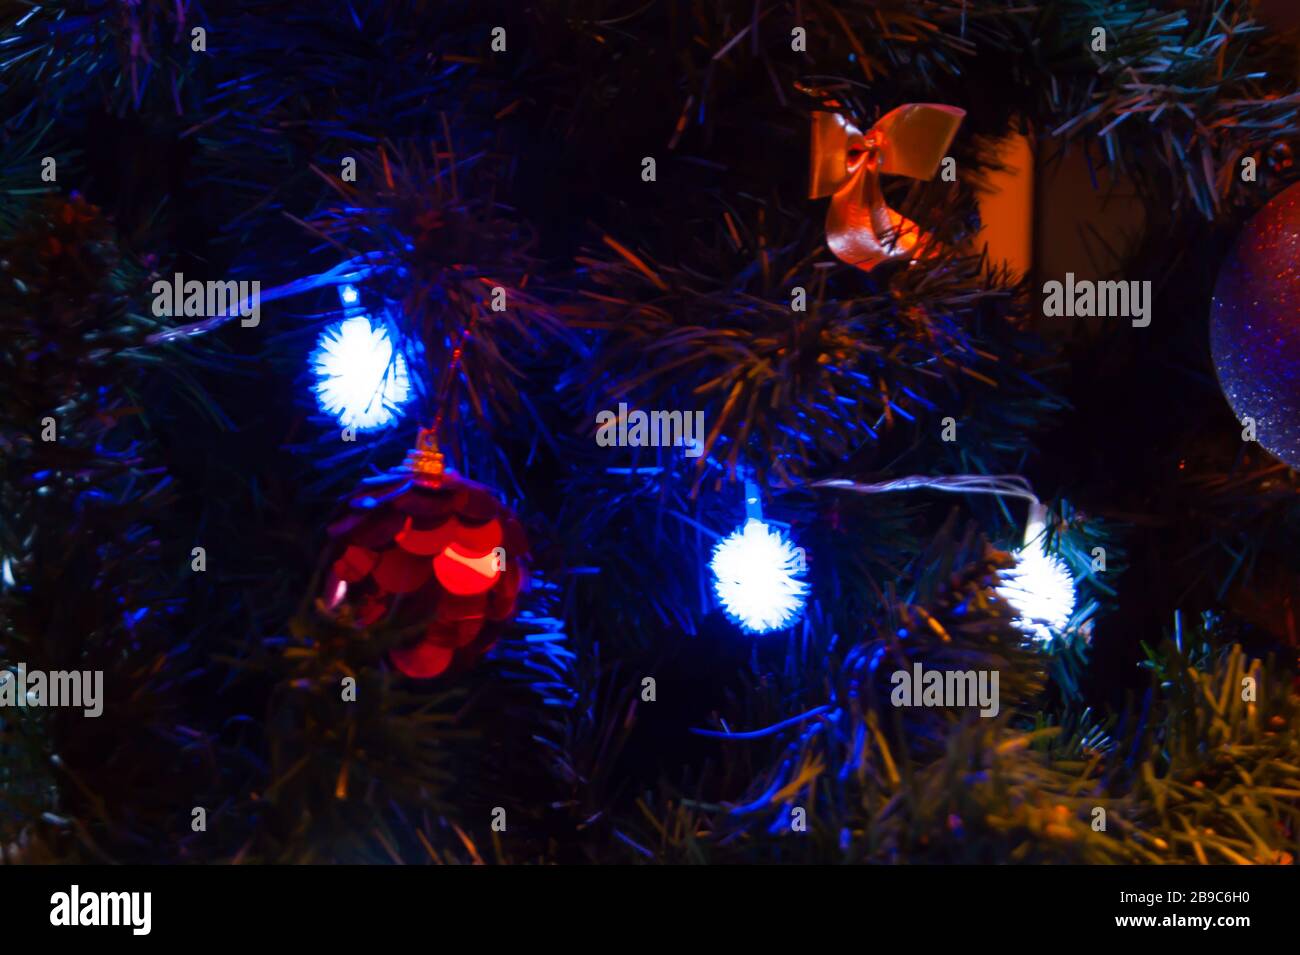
column 620, row 432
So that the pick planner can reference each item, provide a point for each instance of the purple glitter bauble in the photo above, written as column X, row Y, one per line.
column 1255, row 326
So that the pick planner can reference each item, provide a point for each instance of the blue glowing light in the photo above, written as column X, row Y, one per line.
column 754, row 570
column 349, row 295
column 360, row 378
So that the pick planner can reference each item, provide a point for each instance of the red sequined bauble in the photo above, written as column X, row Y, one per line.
column 422, row 547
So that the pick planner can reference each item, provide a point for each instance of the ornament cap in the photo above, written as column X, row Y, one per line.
column 425, row 461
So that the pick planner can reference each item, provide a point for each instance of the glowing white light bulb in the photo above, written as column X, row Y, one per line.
column 349, row 294
column 360, row 378
column 754, row 577
column 1040, row 586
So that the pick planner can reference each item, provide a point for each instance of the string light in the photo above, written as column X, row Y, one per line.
column 1040, row 586
column 360, row 378
column 755, row 573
